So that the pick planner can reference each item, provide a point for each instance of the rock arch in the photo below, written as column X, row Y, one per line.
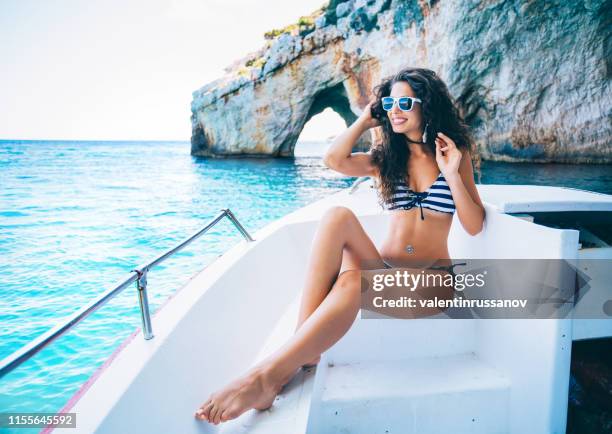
column 265, row 116
column 334, row 97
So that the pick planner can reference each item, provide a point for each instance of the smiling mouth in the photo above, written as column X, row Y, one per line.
column 398, row 121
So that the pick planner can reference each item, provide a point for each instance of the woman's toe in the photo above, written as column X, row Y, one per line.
column 206, row 410
column 212, row 413
column 217, row 418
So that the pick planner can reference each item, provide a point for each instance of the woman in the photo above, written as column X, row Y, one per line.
column 424, row 169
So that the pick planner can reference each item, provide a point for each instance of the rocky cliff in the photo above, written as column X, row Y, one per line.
column 532, row 77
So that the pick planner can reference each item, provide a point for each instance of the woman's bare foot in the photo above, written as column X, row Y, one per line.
column 257, row 389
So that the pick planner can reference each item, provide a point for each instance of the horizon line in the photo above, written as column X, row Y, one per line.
column 319, row 140
column 94, row 140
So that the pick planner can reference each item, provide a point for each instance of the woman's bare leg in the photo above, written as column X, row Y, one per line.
column 333, row 249
column 258, row 388
column 312, row 297
column 338, row 245
column 319, row 331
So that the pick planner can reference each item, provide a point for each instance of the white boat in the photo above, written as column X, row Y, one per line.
column 385, row 375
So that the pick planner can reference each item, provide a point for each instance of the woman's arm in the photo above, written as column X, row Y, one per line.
column 339, row 156
column 459, row 175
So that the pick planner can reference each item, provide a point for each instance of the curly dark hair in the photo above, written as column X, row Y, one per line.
column 439, row 113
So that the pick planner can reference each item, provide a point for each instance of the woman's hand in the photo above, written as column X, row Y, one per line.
column 366, row 119
column 448, row 156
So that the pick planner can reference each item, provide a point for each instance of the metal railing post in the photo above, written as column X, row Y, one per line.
column 143, row 301
column 241, row 229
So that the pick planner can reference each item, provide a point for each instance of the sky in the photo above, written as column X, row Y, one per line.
column 126, row 70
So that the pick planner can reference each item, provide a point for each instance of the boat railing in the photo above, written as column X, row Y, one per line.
column 138, row 275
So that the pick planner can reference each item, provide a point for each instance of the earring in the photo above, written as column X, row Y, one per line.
column 425, row 133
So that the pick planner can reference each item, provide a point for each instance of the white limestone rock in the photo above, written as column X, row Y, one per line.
column 532, row 79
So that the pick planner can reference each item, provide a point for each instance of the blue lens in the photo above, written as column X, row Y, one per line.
column 405, row 104
column 387, row 103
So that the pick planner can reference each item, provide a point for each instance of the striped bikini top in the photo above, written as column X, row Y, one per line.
column 437, row 197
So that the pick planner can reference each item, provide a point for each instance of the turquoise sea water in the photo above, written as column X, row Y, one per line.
column 76, row 217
